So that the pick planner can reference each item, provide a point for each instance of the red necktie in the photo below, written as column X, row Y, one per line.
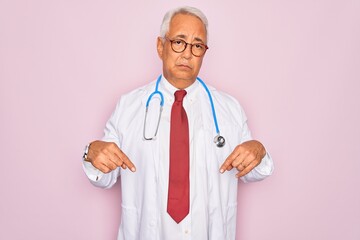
column 179, row 182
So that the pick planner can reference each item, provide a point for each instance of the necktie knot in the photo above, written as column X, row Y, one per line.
column 179, row 95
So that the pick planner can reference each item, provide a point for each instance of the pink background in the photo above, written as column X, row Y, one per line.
column 294, row 66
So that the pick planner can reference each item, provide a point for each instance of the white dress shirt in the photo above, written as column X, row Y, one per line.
column 213, row 196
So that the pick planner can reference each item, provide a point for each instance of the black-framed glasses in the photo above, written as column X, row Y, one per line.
column 179, row 45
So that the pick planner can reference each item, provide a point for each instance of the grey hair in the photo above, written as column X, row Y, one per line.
column 165, row 25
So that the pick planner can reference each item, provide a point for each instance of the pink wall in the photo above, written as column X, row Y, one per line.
column 294, row 65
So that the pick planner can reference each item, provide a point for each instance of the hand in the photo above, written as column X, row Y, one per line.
column 107, row 156
column 244, row 158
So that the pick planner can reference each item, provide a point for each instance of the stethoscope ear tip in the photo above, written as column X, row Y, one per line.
column 219, row 141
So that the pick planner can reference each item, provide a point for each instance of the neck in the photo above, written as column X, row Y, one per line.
column 181, row 83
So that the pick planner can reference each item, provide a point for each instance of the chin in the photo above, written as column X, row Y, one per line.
column 186, row 76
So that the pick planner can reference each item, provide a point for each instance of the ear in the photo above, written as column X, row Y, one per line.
column 160, row 47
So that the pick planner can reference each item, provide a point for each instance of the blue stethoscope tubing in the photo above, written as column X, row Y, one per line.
column 219, row 140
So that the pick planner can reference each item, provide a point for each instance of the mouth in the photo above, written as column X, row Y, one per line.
column 184, row 66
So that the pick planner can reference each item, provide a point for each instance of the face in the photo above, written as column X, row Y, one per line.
column 181, row 69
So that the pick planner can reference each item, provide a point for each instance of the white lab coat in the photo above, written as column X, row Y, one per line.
column 213, row 196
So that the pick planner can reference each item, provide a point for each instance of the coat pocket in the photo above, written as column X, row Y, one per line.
column 130, row 222
column 222, row 222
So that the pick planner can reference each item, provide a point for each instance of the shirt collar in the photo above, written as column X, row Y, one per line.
column 169, row 90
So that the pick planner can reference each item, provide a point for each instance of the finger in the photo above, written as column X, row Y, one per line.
column 128, row 163
column 124, row 160
column 229, row 168
column 110, row 160
column 235, row 158
column 106, row 156
column 243, row 162
column 247, row 169
column 241, row 167
column 103, row 152
column 252, row 156
column 119, row 158
column 228, row 161
column 238, row 162
column 102, row 167
column 114, row 154
column 251, row 160
column 124, row 166
column 110, row 164
column 240, row 159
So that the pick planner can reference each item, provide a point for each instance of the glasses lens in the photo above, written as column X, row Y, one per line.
column 198, row 49
column 178, row 45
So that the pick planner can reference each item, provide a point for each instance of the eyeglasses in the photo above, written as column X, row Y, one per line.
column 179, row 45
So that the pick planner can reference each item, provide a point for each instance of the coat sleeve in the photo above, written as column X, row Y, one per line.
column 112, row 134
column 266, row 167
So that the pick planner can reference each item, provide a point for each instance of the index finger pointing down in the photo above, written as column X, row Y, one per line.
column 227, row 163
column 124, row 159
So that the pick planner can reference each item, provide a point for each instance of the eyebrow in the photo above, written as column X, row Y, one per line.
column 184, row 36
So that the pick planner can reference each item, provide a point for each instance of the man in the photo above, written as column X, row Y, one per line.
column 178, row 184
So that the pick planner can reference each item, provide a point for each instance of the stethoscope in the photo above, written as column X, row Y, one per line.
column 218, row 140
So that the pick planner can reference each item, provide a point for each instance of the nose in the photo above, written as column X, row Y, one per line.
column 187, row 52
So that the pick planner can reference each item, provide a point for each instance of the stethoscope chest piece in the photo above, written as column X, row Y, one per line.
column 219, row 141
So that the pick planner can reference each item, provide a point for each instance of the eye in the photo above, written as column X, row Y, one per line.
column 198, row 46
column 178, row 42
